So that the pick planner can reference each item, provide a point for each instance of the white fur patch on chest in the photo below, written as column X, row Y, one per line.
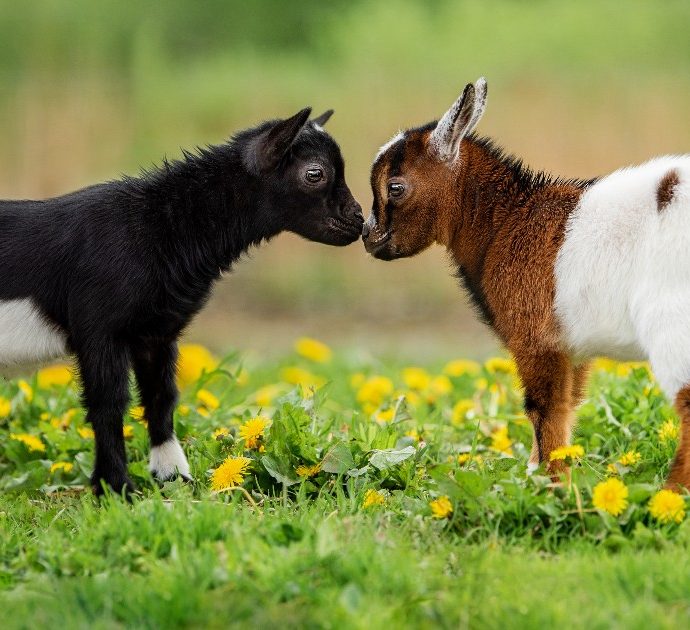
column 623, row 270
column 26, row 337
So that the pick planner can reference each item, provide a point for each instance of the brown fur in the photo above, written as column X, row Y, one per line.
column 503, row 227
column 667, row 186
column 680, row 469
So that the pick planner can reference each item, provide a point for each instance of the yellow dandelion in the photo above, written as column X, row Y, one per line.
column 604, row 365
column 253, row 430
column 386, row 415
column 203, row 412
column 611, row 496
column 86, row 432
column 501, row 442
column 26, row 390
column 481, row 384
column 667, row 506
column 264, row 396
column 612, row 469
column 461, row 409
column 572, row 452
column 65, row 467
column 414, row 434
column 668, row 431
column 466, row 458
column 128, row 431
column 306, row 470
column 54, row 375
column 137, row 413
column 313, row 350
column 5, row 407
column 439, row 386
column 630, row 458
column 375, row 390
column 230, row 473
column 207, row 399
column 460, row 367
column 184, row 410
column 499, row 365
column 194, row 360
column 416, row 378
column 33, row 443
column 441, row 507
column 299, row 376
column 373, row 498
column 220, row 433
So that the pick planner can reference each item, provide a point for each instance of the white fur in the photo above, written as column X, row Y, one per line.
column 168, row 459
column 623, row 272
column 27, row 339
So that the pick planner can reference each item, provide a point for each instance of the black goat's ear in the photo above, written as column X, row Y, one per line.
column 275, row 144
column 324, row 118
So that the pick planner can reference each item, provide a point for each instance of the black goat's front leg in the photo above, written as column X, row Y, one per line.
column 155, row 367
column 104, row 368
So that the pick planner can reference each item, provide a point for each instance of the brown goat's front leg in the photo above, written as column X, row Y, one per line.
column 679, row 477
column 549, row 387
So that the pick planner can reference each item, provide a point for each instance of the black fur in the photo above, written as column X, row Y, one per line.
column 122, row 267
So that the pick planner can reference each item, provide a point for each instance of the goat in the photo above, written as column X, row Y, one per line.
column 563, row 270
column 112, row 274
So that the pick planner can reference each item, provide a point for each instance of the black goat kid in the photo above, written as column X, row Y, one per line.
column 113, row 273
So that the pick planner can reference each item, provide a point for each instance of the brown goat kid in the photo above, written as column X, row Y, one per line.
column 562, row 270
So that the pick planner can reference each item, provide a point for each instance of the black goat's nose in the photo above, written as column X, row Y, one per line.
column 365, row 231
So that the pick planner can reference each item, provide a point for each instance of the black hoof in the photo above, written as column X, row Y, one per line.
column 123, row 486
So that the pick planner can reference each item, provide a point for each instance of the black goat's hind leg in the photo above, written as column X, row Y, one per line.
column 155, row 367
column 104, row 369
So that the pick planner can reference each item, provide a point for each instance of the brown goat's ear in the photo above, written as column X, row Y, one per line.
column 275, row 144
column 458, row 121
column 323, row 119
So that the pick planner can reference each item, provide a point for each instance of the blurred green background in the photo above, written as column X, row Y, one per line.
column 89, row 90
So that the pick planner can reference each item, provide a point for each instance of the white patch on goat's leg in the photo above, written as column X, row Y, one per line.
column 27, row 338
column 168, row 459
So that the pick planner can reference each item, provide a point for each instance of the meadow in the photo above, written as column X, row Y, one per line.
column 335, row 490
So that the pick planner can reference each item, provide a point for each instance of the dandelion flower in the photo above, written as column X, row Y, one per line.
column 304, row 470
column 441, row 507
column 499, row 365
column 439, row 386
column 385, row 416
column 183, row 410
column 220, row 433
column 501, row 442
column 466, row 458
column 668, row 431
column 667, row 506
column 572, row 452
column 481, row 383
column 630, row 458
column 65, row 467
column 416, row 378
column 252, row 431
column 5, row 407
column 26, row 390
column 264, row 396
column 460, row 367
column 304, row 378
column 230, row 473
column 31, row 442
column 54, row 375
column 128, row 431
column 375, row 390
column 313, row 350
column 372, row 498
column 194, row 360
column 86, row 432
column 207, row 399
column 461, row 409
column 611, row 496
column 137, row 413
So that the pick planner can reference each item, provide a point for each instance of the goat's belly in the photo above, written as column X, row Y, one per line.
column 27, row 339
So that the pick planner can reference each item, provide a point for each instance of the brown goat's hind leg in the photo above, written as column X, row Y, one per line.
column 679, row 477
column 548, row 381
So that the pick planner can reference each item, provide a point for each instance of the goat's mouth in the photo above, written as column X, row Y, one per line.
column 348, row 230
column 382, row 248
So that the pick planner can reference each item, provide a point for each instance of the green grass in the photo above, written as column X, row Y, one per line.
column 308, row 551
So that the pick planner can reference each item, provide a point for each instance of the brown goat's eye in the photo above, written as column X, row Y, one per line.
column 314, row 175
column 395, row 189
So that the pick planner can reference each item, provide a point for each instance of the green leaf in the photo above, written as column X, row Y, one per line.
column 471, row 482
column 338, row 459
column 281, row 473
column 384, row 459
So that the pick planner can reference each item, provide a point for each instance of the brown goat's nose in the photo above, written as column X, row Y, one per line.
column 365, row 231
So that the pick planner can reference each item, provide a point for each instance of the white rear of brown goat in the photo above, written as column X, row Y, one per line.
column 563, row 270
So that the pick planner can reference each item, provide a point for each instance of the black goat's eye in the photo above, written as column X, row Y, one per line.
column 314, row 175
column 395, row 189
